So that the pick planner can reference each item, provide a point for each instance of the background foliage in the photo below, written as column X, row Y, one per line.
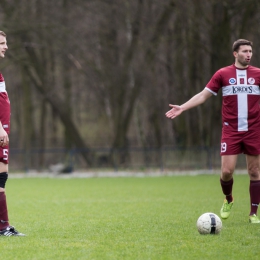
column 83, row 73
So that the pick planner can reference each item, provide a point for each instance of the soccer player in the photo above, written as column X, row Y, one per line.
column 240, row 85
column 5, row 228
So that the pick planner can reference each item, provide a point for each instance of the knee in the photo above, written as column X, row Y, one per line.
column 226, row 174
column 254, row 172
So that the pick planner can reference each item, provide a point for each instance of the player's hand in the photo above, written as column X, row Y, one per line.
column 175, row 111
column 4, row 139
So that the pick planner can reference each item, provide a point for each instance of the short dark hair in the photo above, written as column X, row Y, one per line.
column 240, row 42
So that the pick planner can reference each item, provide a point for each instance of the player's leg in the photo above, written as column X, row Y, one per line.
column 253, row 167
column 3, row 205
column 228, row 164
column 5, row 228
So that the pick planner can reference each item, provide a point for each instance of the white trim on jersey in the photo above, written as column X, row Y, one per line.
column 214, row 93
column 2, row 86
column 241, row 89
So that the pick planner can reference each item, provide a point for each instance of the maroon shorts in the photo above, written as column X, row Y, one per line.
column 234, row 142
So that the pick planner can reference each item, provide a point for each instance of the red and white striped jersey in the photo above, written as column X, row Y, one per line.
column 4, row 106
column 240, row 96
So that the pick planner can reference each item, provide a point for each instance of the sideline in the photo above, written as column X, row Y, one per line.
column 114, row 174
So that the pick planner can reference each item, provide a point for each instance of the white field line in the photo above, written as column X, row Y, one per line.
column 104, row 174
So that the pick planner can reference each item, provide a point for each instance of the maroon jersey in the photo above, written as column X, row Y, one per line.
column 4, row 117
column 241, row 96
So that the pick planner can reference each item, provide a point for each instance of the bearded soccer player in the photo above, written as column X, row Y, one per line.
column 240, row 85
column 5, row 228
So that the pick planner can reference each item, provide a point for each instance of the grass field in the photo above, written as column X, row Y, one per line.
column 126, row 218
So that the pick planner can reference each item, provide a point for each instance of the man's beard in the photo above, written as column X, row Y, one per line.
column 243, row 63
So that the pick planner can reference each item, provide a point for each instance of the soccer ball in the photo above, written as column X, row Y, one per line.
column 209, row 223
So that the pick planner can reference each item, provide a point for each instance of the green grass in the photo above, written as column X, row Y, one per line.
column 126, row 218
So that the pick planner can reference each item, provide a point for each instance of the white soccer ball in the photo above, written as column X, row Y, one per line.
column 209, row 223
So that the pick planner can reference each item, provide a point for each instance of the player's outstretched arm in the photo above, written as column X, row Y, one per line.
column 193, row 102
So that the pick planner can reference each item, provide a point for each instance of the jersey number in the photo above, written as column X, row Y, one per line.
column 5, row 154
column 223, row 147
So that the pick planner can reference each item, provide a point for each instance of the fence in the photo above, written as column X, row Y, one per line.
column 134, row 158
